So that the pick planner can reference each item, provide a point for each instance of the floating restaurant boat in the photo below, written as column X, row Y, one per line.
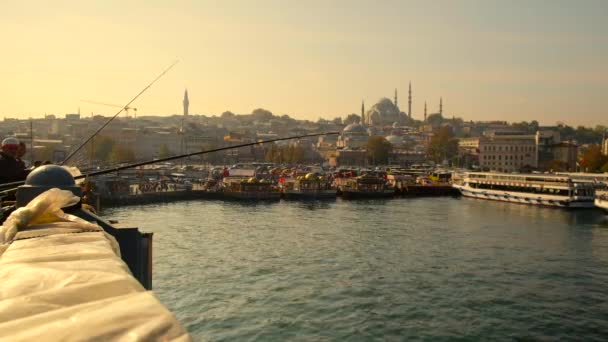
column 601, row 200
column 535, row 189
column 364, row 186
column 243, row 188
column 311, row 186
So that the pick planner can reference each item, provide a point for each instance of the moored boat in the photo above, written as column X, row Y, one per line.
column 243, row 188
column 533, row 189
column 365, row 186
column 601, row 200
column 311, row 186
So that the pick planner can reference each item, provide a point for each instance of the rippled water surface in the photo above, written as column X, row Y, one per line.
column 397, row 269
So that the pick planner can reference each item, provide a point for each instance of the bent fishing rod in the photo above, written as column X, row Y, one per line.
column 161, row 160
column 117, row 113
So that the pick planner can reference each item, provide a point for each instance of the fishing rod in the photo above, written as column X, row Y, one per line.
column 115, row 115
column 149, row 162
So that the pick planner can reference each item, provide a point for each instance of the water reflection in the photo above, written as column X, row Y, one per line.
column 369, row 268
column 315, row 204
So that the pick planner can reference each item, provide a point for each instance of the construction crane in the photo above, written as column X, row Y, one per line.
column 127, row 108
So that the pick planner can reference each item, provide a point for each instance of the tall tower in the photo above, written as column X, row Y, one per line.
column 441, row 106
column 186, row 103
column 363, row 112
column 396, row 105
column 424, row 111
column 409, row 101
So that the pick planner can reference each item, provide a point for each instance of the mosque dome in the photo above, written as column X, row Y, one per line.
column 354, row 128
column 384, row 113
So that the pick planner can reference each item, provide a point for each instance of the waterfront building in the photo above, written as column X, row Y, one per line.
column 506, row 153
column 554, row 154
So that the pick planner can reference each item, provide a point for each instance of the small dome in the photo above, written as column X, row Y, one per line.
column 354, row 128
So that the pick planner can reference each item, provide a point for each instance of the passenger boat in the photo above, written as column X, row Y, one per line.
column 601, row 200
column 535, row 189
column 311, row 186
column 364, row 186
column 243, row 188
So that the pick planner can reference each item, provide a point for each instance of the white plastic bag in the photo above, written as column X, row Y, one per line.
column 45, row 208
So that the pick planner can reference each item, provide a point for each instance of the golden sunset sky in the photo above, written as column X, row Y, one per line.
column 509, row 60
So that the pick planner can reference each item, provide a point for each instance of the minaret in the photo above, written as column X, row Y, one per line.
column 424, row 111
column 396, row 105
column 441, row 106
column 186, row 103
column 363, row 112
column 409, row 102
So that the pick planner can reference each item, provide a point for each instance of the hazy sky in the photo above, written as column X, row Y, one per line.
column 510, row 60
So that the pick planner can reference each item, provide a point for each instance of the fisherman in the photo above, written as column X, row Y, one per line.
column 20, row 153
column 11, row 168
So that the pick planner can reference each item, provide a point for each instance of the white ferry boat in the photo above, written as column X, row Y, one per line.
column 601, row 200
column 535, row 189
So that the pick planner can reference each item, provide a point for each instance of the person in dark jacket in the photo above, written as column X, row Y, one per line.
column 11, row 169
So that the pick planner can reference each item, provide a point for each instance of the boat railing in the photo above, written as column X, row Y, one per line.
column 527, row 183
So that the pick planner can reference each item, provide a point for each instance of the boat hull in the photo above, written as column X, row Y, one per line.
column 524, row 198
column 309, row 195
column 351, row 194
column 253, row 195
column 602, row 204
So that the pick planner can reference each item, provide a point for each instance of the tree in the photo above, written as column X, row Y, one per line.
column 100, row 148
column 604, row 168
column 593, row 159
column 122, row 154
column 442, row 145
column 378, row 150
column 164, row 151
column 273, row 154
column 293, row 154
column 352, row 118
column 337, row 121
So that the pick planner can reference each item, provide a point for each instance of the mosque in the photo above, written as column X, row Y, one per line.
column 382, row 114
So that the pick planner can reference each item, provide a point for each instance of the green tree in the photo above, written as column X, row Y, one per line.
column 100, row 148
column 605, row 167
column 295, row 154
column 273, row 154
column 164, row 151
column 122, row 154
column 442, row 145
column 378, row 150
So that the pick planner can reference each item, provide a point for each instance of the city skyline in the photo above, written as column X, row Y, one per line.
column 487, row 60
